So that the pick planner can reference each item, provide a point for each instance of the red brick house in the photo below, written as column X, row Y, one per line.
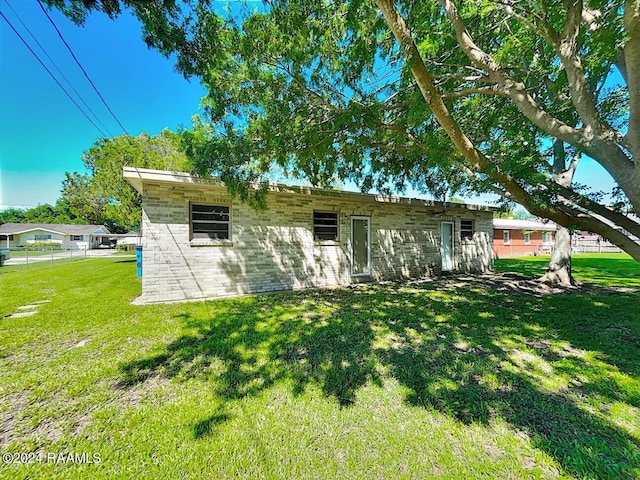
column 518, row 238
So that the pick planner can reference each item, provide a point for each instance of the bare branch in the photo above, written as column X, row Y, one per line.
column 521, row 14
column 492, row 90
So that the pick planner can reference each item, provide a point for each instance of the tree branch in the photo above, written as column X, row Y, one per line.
column 492, row 90
column 632, row 68
column 561, row 214
column 598, row 142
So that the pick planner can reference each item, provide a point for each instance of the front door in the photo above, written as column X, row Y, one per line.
column 360, row 246
column 446, row 245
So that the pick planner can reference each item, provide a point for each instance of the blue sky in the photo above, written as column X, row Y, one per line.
column 43, row 135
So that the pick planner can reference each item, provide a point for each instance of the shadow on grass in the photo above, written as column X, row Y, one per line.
column 472, row 350
column 204, row 428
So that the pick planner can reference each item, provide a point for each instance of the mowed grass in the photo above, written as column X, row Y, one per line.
column 458, row 378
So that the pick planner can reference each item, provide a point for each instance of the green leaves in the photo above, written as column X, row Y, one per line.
column 103, row 196
column 321, row 90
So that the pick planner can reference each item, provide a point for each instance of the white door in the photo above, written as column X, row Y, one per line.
column 360, row 246
column 446, row 245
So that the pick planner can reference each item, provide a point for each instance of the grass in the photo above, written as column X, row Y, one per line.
column 458, row 378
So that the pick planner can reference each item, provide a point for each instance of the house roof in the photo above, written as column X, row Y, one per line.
column 514, row 224
column 137, row 177
column 62, row 229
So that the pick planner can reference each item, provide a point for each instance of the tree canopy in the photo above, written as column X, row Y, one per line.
column 486, row 95
column 58, row 213
column 103, row 196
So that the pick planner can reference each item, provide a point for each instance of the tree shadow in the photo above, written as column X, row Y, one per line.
column 205, row 427
column 474, row 350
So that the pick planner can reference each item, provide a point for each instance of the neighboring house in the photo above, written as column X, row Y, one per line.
column 76, row 237
column 127, row 241
column 518, row 238
column 200, row 243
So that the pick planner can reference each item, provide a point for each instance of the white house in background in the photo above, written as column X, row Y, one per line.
column 75, row 237
column 128, row 241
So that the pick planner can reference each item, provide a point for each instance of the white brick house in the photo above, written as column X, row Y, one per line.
column 200, row 243
column 66, row 236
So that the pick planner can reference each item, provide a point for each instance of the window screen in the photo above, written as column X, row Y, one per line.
column 210, row 222
column 325, row 226
column 466, row 229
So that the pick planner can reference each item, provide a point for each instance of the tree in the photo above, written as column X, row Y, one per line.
column 385, row 93
column 12, row 215
column 83, row 198
column 102, row 196
column 45, row 213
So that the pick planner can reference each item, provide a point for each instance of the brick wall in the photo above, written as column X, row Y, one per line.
column 517, row 247
column 274, row 249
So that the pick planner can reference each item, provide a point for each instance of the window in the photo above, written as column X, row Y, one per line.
column 466, row 229
column 527, row 238
column 41, row 238
column 506, row 238
column 325, row 226
column 210, row 222
column 546, row 237
column 4, row 237
column 76, row 238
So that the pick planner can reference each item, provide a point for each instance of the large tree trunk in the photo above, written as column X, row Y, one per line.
column 559, row 269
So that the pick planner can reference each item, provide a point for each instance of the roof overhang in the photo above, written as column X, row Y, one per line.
column 20, row 232
column 514, row 224
column 138, row 177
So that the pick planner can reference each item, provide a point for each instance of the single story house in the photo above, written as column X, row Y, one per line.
column 127, row 241
column 198, row 242
column 74, row 237
column 519, row 238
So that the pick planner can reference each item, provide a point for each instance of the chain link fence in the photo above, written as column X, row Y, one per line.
column 19, row 258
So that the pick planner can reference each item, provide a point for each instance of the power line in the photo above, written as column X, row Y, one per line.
column 51, row 74
column 44, row 50
column 81, row 67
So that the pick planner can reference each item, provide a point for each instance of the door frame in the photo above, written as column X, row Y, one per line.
column 368, row 272
column 442, row 224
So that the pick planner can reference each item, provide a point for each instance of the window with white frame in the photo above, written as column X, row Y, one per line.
column 210, row 222
column 41, row 237
column 466, row 229
column 547, row 237
column 76, row 238
column 506, row 237
column 527, row 238
column 325, row 226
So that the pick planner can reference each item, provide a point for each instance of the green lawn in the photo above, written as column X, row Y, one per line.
column 458, row 378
